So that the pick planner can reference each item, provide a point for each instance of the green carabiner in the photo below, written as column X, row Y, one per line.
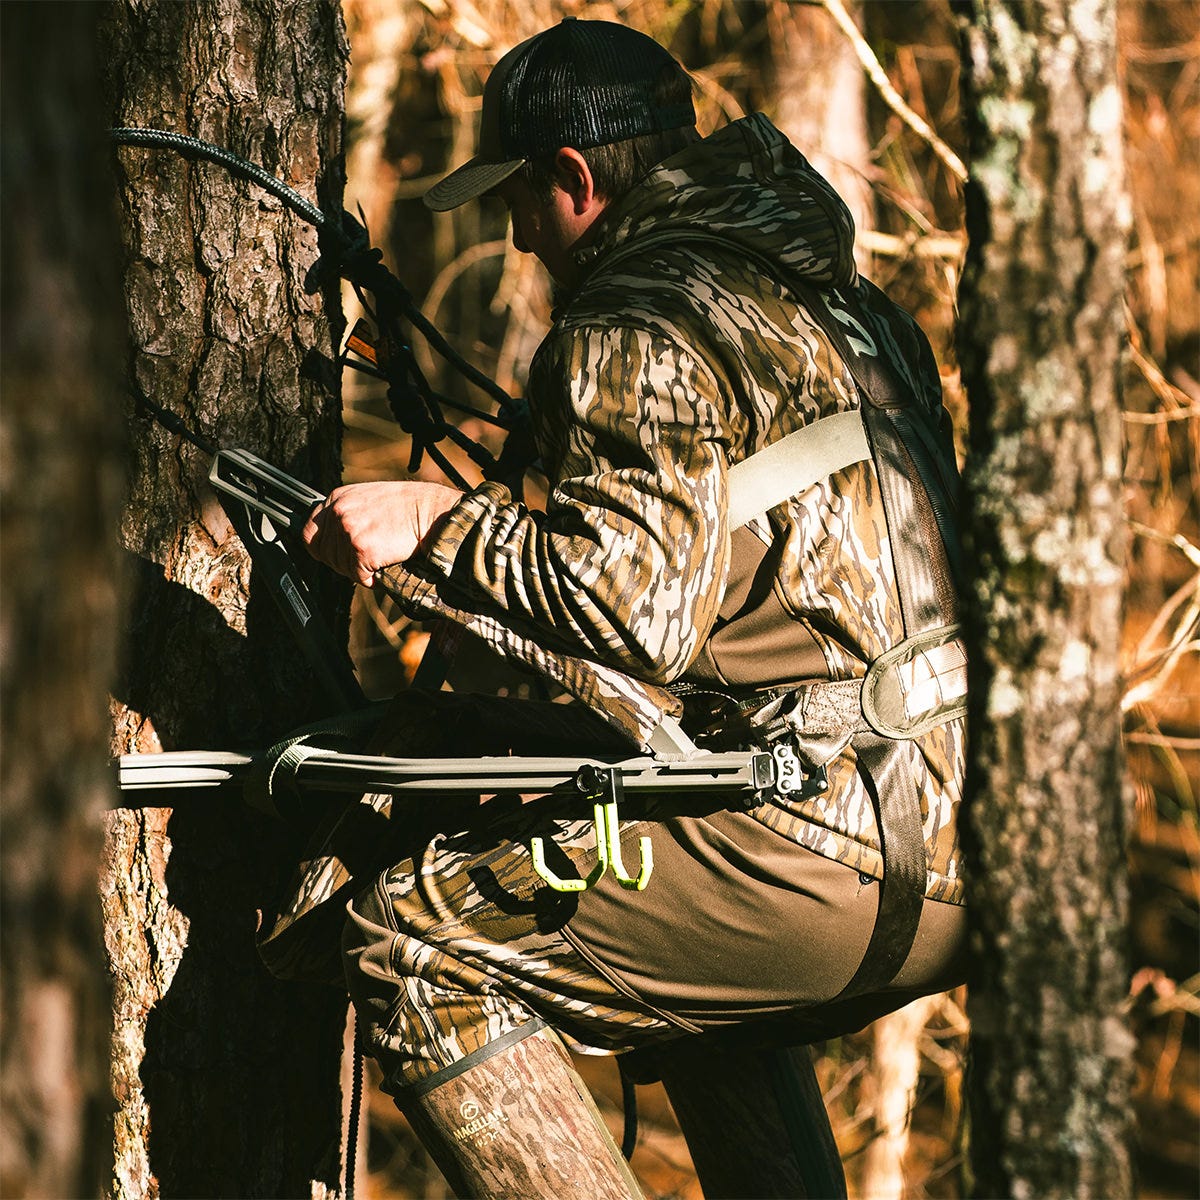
column 612, row 838
column 537, row 851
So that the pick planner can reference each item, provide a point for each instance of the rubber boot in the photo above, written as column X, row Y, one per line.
column 754, row 1121
column 514, row 1121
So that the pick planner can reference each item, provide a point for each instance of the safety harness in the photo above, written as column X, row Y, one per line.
column 920, row 682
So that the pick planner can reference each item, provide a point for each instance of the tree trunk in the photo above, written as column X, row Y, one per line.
column 1040, row 343
column 821, row 104
column 894, row 1071
column 226, row 1080
column 61, row 435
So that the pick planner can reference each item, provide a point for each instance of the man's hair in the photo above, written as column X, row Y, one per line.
column 617, row 166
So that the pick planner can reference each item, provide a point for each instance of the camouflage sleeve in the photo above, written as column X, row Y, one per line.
column 628, row 563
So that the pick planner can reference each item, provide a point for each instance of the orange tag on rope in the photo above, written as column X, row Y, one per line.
column 360, row 342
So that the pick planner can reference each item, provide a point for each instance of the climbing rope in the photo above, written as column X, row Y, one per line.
column 194, row 147
column 346, row 251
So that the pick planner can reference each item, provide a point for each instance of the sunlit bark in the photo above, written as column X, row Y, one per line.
column 1041, row 322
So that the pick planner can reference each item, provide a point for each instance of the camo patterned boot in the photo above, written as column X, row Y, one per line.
column 513, row 1121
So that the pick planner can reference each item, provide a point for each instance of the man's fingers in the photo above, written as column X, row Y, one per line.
column 313, row 533
column 311, row 529
column 328, row 542
column 364, row 527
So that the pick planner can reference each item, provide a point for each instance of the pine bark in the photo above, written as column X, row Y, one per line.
column 1040, row 344
column 227, row 1082
column 61, row 440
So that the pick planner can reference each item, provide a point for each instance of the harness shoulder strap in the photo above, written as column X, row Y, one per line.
column 795, row 462
column 915, row 477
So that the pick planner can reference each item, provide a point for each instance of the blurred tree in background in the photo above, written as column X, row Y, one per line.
column 61, row 447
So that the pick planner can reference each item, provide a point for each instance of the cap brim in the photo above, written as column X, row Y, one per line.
column 468, row 182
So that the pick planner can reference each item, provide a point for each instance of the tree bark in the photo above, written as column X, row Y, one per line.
column 821, row 104
column 1040, row 344
column 894, row 1071
column 226, row 1080
column 61, row 441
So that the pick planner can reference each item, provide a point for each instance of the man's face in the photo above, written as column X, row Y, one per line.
column 547, row 229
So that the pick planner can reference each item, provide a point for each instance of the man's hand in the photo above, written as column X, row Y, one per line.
column 364, row 527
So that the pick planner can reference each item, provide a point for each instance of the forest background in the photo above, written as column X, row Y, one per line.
column 881, row 115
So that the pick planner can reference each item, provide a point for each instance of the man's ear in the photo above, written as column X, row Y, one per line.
column 574, row 176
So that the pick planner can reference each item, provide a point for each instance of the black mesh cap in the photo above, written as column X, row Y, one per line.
column 580, row 84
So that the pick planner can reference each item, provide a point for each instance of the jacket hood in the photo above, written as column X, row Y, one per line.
column 747, row 184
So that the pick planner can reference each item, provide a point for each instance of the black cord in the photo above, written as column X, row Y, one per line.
column 416, row 406
column 165, row 139
column 629, row 1134
column 176, row 424
column 355, row 1114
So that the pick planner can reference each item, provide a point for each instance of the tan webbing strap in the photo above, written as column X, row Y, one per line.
column 789, row 466
column 888, row 395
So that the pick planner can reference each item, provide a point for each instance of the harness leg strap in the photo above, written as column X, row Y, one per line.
column 884, row 766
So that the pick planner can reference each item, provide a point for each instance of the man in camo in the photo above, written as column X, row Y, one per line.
column 685, row 339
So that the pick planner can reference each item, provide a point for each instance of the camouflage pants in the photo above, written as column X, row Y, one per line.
column 453, row 949
column 461, row 943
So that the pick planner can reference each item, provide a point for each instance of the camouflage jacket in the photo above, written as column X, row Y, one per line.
column 678, row 355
